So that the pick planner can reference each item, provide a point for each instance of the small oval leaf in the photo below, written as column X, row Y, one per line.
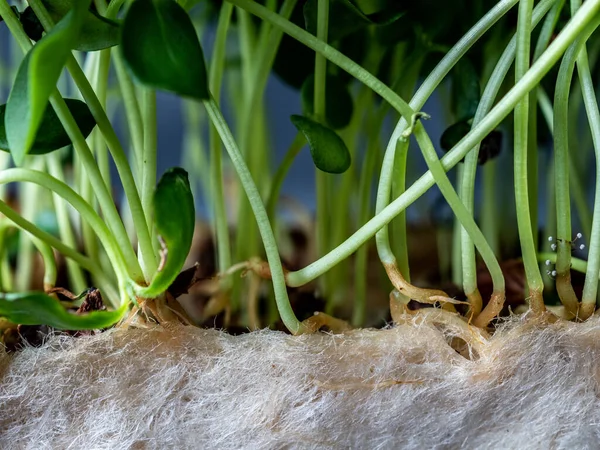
column 338, row 101
column 37, row 308
column 51, row 135
column 328, row 150
column 161, row 48
column 36, row 80
column 453, row 134
column 174, row 218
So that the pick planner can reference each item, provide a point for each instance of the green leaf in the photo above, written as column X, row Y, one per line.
column 161, row 48
column 490, row 147
column 328, row 150
column 453, row 134
column 338, row 101
column 96, row 32
column 36, row 80
column 37, row 308
column 51, row 135
column 174, row 218
column 466, row 91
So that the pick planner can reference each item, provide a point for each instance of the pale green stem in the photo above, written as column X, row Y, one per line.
column 561, row 179
column 583, row 22
column 149, row 154
column 120, row 159
column 28, row 199
column 323, row 219
column 528, row 246
column 590, row 287
column 83, row 208
column 76, row 278
column 468, row 174
column 88, row 264
column 217, row 68
column 279, row 177
column 262, row 219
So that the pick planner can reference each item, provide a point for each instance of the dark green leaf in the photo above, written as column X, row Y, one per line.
column 31, row 24
column 453, row 134
column 339, row 105
column 36, row 80
column 51, row 135
column 294, row 61
column 466, row 92
column 490, row 147
column 174, row 218
column 161, row 48
column 96, row 32
column 37, row 308
column 328, row 150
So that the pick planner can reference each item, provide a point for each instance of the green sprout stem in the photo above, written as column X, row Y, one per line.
column 590, row 287
column 76, row 278
column 87, row 213
column 217, row 67
column 467, row 179
column 584, row 21
column 561, row 180
column 262, row 219
column 105, row 285
column 119, row 157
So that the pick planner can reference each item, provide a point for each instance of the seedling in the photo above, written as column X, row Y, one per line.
column 62, row 141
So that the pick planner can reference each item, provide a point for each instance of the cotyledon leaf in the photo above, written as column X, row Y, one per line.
column 36, row 79
column 328, row 150
column 161, row 48
column 37, row 308
column 51, row 135
column 96, row 33
column 174, row 218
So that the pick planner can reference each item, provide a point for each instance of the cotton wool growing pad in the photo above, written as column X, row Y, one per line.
column 530, row 385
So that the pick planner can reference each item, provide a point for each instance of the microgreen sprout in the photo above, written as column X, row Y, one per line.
column 58, row 130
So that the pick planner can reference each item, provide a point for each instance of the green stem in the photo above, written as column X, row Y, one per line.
column 468, row 174
column 528, row 246
column 262, row 219
column 590, row 287
column 583, row 22
column 217, row 68
column 83, row 208
column 119, row 157
column 323, row 218
column 76, row 278
column 149, row 155
column 295, row 147
column 85, row 262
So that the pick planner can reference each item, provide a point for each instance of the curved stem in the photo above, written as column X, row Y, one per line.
column 561, row 179
column 76, row 278
column 262, row 219
column 120, row 159
column 221, row 225
column 280, row 174
column 528, row 246
column 85, row 262
column 583, row 22
column 82, row 207
column 590, row 287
